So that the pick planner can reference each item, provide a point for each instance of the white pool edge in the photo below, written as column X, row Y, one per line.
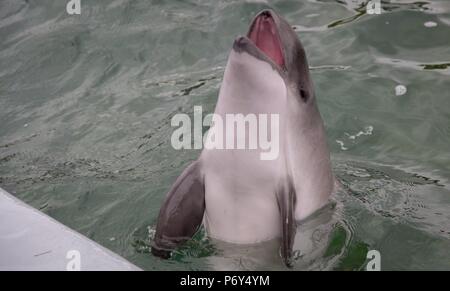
column 32, row 240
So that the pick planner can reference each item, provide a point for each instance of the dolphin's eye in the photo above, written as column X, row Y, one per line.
column 303, row 94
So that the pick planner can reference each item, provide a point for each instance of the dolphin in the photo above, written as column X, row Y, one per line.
column 239, row 197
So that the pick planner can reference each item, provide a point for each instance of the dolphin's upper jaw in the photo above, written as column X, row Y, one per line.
column 263, row 40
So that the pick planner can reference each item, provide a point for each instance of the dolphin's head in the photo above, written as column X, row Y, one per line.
column 272, row 40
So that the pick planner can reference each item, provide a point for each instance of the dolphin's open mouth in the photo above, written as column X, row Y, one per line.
column 264, row 35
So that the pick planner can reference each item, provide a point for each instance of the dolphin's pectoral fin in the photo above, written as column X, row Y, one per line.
column 181, row 213
column 286, row 203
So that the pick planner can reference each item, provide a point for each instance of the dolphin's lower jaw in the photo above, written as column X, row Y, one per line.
column 243, row 44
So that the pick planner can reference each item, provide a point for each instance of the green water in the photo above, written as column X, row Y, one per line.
column 86, row 102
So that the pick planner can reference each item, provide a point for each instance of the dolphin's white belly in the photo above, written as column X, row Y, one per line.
column 241, row 206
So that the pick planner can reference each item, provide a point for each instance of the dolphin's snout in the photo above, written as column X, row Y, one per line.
column 267, row 13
